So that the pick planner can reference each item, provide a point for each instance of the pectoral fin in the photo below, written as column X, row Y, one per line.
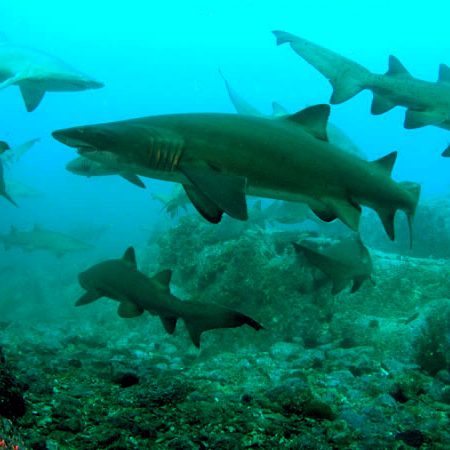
column 31, row 96
column 88, row 297
column 209, row 210
column 128, row 310
column 134, row 179
column 226, row 192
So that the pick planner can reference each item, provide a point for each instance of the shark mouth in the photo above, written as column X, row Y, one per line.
column 75, row 139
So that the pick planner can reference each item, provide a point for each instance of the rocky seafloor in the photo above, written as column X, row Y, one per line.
column 369, row 370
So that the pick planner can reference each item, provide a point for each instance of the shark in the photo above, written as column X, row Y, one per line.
column 41, row 239
column 120, row 280
column 88, row 168
column 336, row 136
column 36, row 73
column 427, row 103
column 221, row 158
column 344, row 261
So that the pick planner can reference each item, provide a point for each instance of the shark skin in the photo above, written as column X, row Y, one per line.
column 88, row 168
column 220, row 158
column 36, row 73
column 427, row 103
column 343, row 262
column 120, row 280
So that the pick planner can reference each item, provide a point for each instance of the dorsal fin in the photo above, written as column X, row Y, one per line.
column 444, row 73
column 278, row 110
column 313, row 119
column 163, row 277
column 396, row 68
column 387, row 162
column 130, row 257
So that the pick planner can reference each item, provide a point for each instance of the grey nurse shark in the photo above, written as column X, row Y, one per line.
column 427, row 103
column 36, row 73
column 120, row 280
column 220, row 158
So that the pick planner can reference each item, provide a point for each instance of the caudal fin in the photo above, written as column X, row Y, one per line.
column 207, row 316
column 8, row 197
column 347, row 77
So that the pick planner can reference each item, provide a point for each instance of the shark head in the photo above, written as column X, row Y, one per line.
column 81, row 166
column 86, row 139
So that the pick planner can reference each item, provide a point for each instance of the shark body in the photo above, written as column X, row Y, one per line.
column 219, row 158
column 427, row 103
column 120, row 280
column 41, row 239
column 342, row 262
column 36, row 73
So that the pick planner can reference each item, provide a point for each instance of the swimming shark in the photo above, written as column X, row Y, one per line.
column 36, row 73
column 427, row 103
column 120, row 280
column 220, row 158
column 41, row 239
column 345, row 261
column 88, row 168
column 335, row 134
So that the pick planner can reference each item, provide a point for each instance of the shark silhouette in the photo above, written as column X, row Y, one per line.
column 36, row 73
column 427, row 103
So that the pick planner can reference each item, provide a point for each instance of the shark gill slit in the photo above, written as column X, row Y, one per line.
column 163, row 154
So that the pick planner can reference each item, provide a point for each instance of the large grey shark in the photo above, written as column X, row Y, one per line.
column 36, row 73
column 427, row 103
column 88, row 168
column 345, row 261
column 335, row 134
column 41, row 239
column 120, row 280
column 219, row 158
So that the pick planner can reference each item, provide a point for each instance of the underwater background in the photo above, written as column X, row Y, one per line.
column 365, row 370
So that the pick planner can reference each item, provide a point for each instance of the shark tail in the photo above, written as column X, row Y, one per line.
column 347, row 77
column 8, row 197
column 210, row 317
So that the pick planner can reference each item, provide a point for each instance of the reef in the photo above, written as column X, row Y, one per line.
column 358, row 371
